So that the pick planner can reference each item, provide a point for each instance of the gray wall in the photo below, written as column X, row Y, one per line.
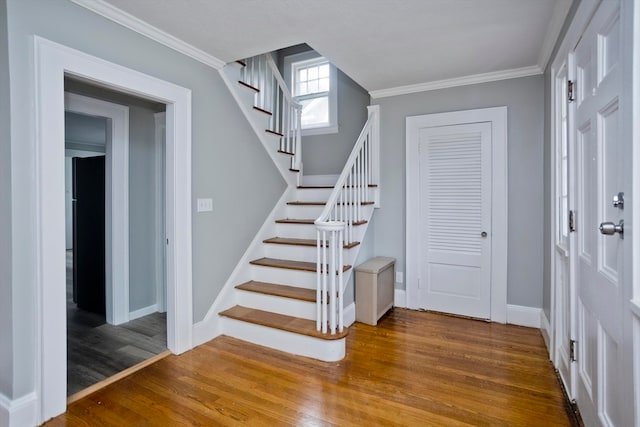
column 222, row 141
column 327, row 154
column 142, row 212
column 524, row 99
column 6, row 329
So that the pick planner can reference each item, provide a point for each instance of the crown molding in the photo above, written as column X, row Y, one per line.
column 458, row 81
column 131, row 22
column 559, row 15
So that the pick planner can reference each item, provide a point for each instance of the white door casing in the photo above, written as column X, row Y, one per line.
column 563, row 293
column 599, row 174
column 116, row 203
column 52, row 62
column 426, row 218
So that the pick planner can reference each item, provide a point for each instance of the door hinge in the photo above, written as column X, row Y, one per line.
column 570, row 97
column 572, row 351
column 572, row 221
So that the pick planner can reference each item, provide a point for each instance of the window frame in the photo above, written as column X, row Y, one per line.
column 299, row 60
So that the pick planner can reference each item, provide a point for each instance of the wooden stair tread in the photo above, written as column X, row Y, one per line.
column 309, row 221
column 248, row 86
column 301, row 242
column 286, row 152
column 275, row 289
column 280, row 321
column 273, row 132
column 262, row 110
column 241, row 62
column 289, row 264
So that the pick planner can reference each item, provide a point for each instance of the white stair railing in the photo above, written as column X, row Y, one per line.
column 274, row 97
column 343, row 211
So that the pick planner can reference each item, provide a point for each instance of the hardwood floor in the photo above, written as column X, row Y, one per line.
column 413, row 369
column 97, row 350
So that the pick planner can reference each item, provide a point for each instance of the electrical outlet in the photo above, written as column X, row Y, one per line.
column 399, row 277
column 205, row 205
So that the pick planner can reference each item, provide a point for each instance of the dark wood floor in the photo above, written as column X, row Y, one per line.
column 97, row 350
column 413, row 369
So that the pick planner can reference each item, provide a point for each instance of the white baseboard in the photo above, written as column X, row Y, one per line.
column 19, row 412
column 545, row 329
column 349, row 314
column 314, row 180
column 523, row 316
column 400, row 298
column 144, row 311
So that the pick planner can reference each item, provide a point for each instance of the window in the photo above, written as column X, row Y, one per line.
column 313, row 84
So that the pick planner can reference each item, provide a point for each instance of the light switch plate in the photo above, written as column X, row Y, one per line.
column 205, row 205
column 399, row 277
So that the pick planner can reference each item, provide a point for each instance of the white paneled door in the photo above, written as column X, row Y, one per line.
column 599, row 250
column 455, row 218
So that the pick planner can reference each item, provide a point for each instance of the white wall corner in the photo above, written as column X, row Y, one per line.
column 349, row 314
column 400, row 298
column 19, row 412
column 545, row 330
column 523, row 316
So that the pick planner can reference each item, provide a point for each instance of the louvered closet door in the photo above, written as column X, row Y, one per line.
column 455, row 218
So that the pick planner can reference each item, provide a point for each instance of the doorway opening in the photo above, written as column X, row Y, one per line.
column 53, row 61
column 114, row 261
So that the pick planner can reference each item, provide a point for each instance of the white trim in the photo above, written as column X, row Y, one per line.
column 523, row 316
column 493, row 76
column 499, row 206
column 117, row 202
column 400, row 298
column 129, row 21
column 319, row 180
column 349, row 314
column 144, row 311
column 52, row 61
column 545, row 330
column 18, row 412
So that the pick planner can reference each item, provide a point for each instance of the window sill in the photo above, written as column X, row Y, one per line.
column 325, row 130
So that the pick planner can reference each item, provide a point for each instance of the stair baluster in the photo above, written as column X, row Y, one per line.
column 335, row 224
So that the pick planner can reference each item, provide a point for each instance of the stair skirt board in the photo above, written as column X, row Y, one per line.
column 276, row 304
column 302, row 345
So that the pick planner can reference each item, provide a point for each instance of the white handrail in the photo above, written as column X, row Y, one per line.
column 274, row 97
column 341, row 213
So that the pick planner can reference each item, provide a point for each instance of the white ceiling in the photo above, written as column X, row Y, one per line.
column 381, row 44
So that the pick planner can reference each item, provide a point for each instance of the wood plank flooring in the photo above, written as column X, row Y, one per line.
column 413, row 369
column 97, row 350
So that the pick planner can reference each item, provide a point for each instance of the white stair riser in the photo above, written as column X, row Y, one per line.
column 297, row 231
column 315, row 348
column 301, row 279
column 304, row 211
column 313, row 194
column 275, row 304
column 300, row 253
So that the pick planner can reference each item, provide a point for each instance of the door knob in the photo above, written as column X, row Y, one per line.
column 609, row 228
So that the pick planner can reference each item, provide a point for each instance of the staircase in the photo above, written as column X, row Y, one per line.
column 288, row 294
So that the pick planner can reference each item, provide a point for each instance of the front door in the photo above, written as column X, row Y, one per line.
column 599, row 250
column 455, row 218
